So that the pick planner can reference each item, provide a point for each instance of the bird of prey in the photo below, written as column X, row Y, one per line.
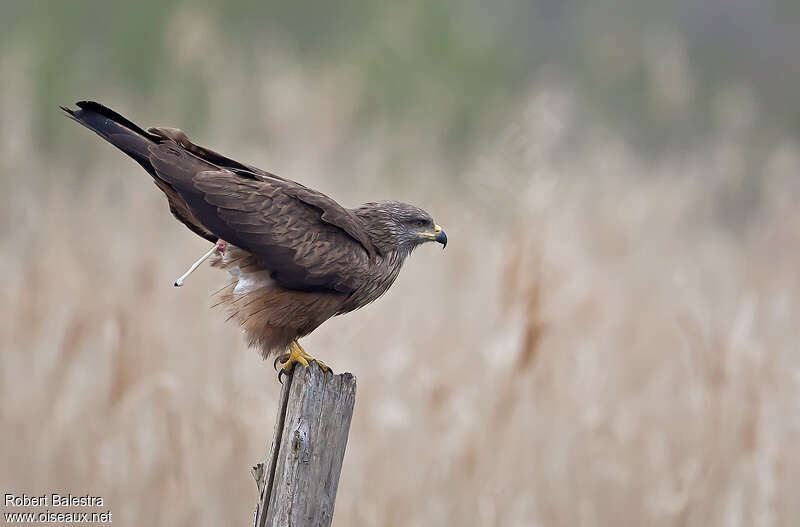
column 296, row 256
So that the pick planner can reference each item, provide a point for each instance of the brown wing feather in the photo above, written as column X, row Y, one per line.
column 331, row 211
column 181, row 211
column 172, row 146
column 180, row 138
column 290, row 229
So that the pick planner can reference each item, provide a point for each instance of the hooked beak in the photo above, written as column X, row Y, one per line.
column 437, row 235
column 440, row 236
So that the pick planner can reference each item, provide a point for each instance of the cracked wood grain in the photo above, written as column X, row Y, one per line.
column 298, row 481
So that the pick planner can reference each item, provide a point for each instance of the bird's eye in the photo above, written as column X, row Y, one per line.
column 419, row 223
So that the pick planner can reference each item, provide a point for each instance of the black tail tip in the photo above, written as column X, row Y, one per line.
column 88, row 105
column 95, row 106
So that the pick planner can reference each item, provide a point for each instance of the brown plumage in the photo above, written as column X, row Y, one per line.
column 297, row 257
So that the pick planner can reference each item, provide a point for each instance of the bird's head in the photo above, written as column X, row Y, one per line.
column 396, row 226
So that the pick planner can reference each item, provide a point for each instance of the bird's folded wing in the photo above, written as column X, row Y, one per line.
column 179, row 137
column 181, row 211
column 291, row 230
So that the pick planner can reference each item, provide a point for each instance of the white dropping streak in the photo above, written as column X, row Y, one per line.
column 179, row 281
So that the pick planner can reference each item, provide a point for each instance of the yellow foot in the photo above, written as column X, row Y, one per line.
column 296, row 355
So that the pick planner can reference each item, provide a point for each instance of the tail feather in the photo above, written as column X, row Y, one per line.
column 136, row 143
column 117, row 130
column 105, row 111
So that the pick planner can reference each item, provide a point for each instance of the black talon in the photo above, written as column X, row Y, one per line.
column 280, row 358
column 281, row 371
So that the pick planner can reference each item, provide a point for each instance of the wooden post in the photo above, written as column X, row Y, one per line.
column 297, row 482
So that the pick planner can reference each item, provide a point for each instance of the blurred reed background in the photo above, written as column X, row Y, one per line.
column 610, row 337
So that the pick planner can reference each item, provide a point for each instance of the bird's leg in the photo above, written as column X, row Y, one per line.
column 296, row 355
column 220, row 246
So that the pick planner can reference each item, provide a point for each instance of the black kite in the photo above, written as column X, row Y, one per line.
column 297, row 257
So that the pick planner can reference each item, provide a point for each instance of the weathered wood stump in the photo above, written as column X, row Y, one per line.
column 297, row 482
